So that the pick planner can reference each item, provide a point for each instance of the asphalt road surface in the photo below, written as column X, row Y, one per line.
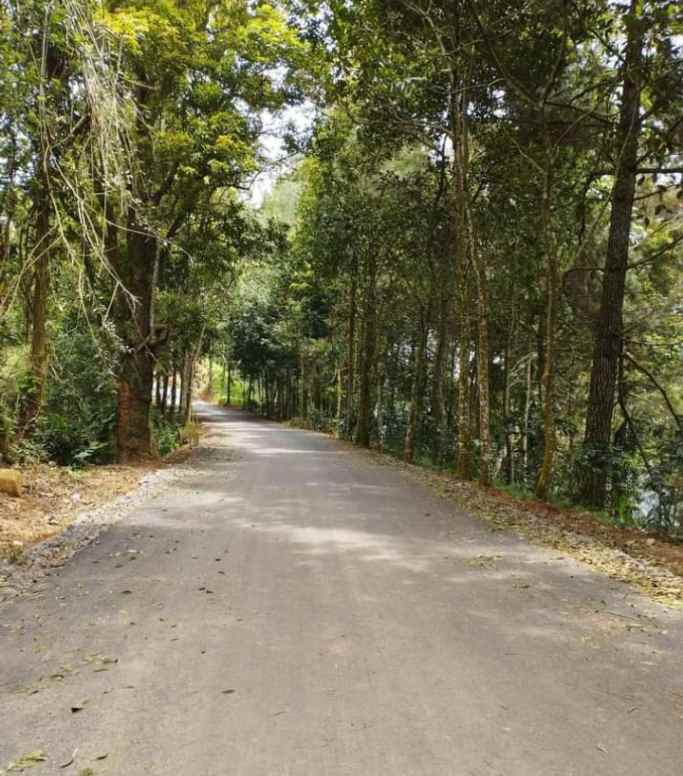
column 291, row 607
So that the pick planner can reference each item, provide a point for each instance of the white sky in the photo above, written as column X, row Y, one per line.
column 271, row 147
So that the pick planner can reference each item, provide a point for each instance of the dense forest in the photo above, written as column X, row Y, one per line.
column 469, row 252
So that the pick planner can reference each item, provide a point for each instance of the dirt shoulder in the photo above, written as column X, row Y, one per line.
column 53, row 497
column 61, row 510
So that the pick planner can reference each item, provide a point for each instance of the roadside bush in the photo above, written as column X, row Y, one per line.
column 77, row 423
column 166, row 433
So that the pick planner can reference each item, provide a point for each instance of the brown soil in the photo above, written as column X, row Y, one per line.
column 53, row 496
column 634, row 542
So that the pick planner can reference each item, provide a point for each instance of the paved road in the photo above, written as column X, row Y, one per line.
column 293, row 608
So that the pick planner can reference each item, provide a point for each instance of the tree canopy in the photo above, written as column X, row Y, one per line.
column 471, row 257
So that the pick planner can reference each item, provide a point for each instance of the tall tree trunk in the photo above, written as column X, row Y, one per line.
column 527, row 416
column 507, row 412
column 380, row 403
column 340, row 401
column 303, row 402
column 351, row 355
column 174, row 387
column 164, row 393
column 51, row 81
column 417, row 390
column 483, row 369
column 552, row 283
column 463, row 464
column 437, row 394
column 468, row 259
column 593, row 475
column 188, row 378
column 367, row 362
column 136, row 271
column 39, row 301
column 210, row 374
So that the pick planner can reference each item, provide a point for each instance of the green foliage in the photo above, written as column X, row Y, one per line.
column 166, row 433
column 77, row 422
column 453, row 198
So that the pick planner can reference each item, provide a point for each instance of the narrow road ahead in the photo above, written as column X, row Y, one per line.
column 293, row 608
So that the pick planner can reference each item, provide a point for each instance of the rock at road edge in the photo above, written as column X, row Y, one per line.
column 10, row 482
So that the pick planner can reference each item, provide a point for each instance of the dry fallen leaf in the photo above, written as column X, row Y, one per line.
column 70, row 761
column 27, row 761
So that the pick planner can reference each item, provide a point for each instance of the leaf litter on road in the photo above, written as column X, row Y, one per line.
column 27, row 761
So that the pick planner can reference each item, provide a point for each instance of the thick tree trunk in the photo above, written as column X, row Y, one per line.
column 593, row 475
column 136, row 272
column 133, row 427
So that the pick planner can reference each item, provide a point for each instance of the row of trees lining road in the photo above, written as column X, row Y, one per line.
column 484, row 269
column 128, row 131
column 473, row 262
